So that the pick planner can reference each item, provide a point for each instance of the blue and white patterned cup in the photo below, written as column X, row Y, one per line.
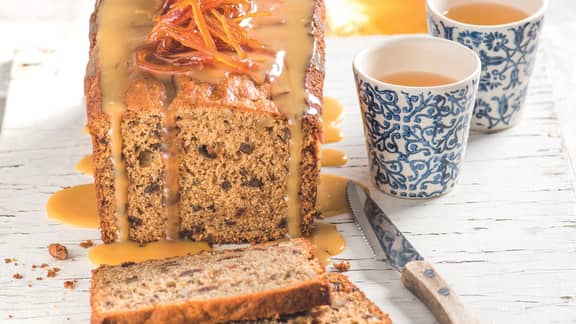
column 507, row 53
column 416, row 136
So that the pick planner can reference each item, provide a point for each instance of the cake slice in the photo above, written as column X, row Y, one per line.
column 348, row 305
column 261, row 281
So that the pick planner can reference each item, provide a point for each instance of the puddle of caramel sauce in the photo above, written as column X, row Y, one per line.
column 328, row 241
column 121, row 252
column 75, row 206
column 333, row 158
column 332, row 114
column 85, row 165
column 368, row 17
column 332, row 199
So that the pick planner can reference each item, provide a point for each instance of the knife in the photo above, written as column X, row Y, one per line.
column 419, row 276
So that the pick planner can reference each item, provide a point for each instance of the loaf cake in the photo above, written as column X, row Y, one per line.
column 261, row 281
column 205, row 118
column 348, row 305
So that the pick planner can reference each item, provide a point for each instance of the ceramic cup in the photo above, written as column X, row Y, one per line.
column 416, row 136
column 507, row 53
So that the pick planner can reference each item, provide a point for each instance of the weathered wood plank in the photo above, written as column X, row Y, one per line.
column 504, row 238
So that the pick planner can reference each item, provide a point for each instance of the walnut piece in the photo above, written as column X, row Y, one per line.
column 58, row 251
column 86, row 244
column 69, row 284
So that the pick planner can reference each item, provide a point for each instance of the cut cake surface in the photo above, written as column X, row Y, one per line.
column 261, row 281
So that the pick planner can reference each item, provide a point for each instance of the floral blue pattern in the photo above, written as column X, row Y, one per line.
column 416, row 141
column 507, row 61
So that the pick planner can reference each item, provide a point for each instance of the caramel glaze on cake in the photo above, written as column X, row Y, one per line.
column 198, row 156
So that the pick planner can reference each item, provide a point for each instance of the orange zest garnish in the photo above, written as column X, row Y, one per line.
column 194, row 33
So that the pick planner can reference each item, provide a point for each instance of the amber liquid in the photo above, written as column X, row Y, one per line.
column 417, row 79
column 485, row 14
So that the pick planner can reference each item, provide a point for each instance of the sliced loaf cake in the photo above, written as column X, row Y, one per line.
column 261, row 281
column 204, row 151
column 348, row 305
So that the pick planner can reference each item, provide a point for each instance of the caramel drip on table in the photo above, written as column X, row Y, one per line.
column 123, row 25
column 288, row 32
column 85, row 166
column 75, row 206
column 328, row 241
column 332, row 199
column 332, row 115
column 121, row 252
column 333, row 158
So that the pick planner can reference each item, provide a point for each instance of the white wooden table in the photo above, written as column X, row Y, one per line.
column 505, row 238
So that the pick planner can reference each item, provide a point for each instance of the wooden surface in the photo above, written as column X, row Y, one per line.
column 504, row 239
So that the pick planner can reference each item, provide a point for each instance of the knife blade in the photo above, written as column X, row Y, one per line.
column 386, row 241
column 390, row 245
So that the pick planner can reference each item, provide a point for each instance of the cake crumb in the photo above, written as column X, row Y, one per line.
column 8, row 260
column 10, row 316
column 34, row 266
column 69, row 284
column 29, row 285
column 343, row 266
column 39, row 278
column 58, row 251
column 86, row 244
column 17, row 276
column 43, row 265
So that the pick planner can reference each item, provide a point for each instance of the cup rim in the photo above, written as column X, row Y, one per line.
column 537, row 14
column 386, row 42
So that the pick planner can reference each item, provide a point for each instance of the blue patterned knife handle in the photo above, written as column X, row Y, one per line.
column 507, row 54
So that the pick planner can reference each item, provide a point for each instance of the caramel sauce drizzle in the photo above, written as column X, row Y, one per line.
column 121, row 252
column 86, row 165
column 171, row 160
column 332, row 199
column 333, row 158
column 74, row 206
column 122, row 26
column 328, row 241
column 332, row 115
column 287, row 31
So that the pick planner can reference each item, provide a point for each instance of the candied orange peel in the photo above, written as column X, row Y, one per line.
column 195, row 33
